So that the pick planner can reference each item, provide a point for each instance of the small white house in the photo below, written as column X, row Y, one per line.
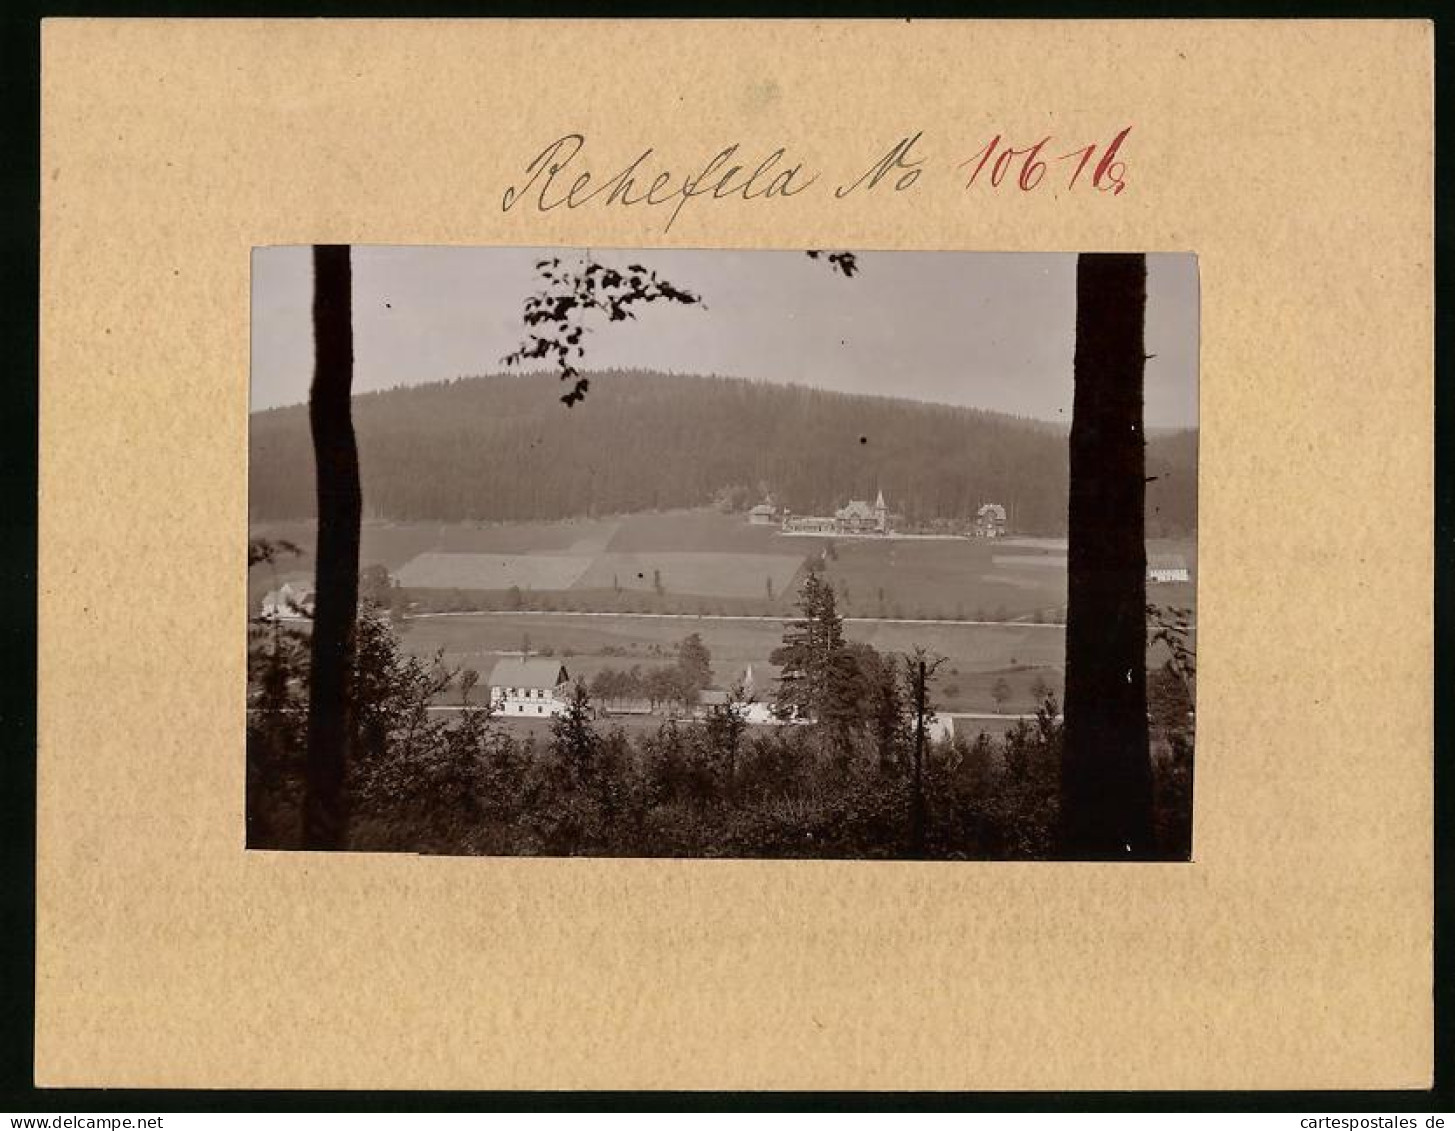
column 759, row 714
column 1167, row 567
column 535, row 688
column 762, row 515
column 293, row 600
column 990, row 521
column 752, row 710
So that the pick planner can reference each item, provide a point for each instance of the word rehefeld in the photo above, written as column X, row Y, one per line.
column 721, row 177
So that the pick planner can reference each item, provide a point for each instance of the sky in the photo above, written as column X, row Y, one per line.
column 984, row 330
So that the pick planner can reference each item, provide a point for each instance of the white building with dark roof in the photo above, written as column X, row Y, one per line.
column 1167, row 568
column 858, row 516
column 990, row 521
column 533, row 687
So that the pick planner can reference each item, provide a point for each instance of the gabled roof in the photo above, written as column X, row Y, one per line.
column 857, row 508
column 516, row 671
column 762, row 508
column 991, row 510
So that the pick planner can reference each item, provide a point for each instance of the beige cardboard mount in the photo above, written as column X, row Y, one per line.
column 1294, row 158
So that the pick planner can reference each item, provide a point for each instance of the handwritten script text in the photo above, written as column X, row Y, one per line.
column 560, row 175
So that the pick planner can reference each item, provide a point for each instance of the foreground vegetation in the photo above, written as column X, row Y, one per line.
column 853, row 783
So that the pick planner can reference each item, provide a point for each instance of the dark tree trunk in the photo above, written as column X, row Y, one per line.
column 917, row 796
column 336, row 580
column 1106, row 792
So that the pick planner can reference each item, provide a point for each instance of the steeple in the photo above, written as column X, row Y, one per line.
column 879, row 502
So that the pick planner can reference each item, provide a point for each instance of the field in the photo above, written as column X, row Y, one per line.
column 432, row 570
column 976, row 655
column 959, row 580
column 703, row 562
column 680, row 561
column 660, row 576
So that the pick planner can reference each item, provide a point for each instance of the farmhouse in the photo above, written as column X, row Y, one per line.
column 858, row 516
column 750, row 711
column 293, row 600
column 756, row 712
column 747, row 708
column 709, row 700
column 1166, row 567
column 990, row 521
column 762, row 515
column 759, row 714
column 521, row 686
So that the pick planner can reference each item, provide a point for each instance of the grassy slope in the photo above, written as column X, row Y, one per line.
column 931, row 579
column 977, row 655
column 920, row 579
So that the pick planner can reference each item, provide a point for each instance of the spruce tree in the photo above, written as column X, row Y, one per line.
column 801, row 656
column 820, row 676
column 573, row 738
column 694, row 662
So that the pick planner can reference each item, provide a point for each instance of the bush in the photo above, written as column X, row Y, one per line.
column 463, row 783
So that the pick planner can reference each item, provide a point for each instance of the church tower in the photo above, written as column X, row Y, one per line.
column 881, row 513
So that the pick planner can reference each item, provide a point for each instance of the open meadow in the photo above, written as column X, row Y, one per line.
column 702, row 562
column 622, row 592
column 976, row 656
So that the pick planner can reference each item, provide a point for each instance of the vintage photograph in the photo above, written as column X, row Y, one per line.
column 783, row 554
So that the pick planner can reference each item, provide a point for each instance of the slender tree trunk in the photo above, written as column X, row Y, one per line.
column 917, row 798
column 336, row 580
column 1106, row 794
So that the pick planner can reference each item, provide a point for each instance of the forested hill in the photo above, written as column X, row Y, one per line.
column 505, row 448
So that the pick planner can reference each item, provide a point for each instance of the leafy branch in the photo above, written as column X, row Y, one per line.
column 1173, row 627
column 844, row 262
column 553, row 315
column 267, row 550
column 570, row 293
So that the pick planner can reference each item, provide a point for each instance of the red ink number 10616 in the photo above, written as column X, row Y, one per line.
column 1029, row 166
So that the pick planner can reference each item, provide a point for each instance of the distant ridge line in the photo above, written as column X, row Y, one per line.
column 502, row 448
